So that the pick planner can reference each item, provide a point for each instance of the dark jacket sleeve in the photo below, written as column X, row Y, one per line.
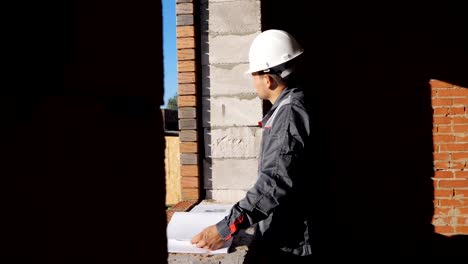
column 280, row 154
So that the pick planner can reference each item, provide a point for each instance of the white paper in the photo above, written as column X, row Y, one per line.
column 183, row 226
column 212, row 208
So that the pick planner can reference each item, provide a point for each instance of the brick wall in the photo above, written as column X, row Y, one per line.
column 450, row 133
column 187, row 100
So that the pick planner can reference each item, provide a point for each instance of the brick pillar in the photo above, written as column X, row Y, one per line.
column 450, row 133
column 187, row 101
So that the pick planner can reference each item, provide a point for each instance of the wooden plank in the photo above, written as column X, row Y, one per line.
column 189, row 170
column 188, row 158
column 173, row 176
column 186, row 100
column 186, row 77
column 188, row 135
column 187, row 112
column 188, row 147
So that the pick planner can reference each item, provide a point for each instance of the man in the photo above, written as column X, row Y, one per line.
column 275, row 199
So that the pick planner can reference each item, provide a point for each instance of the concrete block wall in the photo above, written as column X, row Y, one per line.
column 231, row 109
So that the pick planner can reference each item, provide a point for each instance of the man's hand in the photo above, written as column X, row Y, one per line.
column 209, row 238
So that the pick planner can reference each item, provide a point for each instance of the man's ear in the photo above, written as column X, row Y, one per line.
column 270, row 82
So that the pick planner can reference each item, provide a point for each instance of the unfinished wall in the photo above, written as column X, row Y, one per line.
column 450, row 158
column 230, row 107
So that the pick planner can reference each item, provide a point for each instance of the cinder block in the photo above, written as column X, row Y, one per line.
column 226, row 79
column 234, row 17
column 229, row 174
column 225, row 196
column 226, row 48
column 245, row 110
column 233, row 142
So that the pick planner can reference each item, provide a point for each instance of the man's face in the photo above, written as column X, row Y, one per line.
column 260, row 84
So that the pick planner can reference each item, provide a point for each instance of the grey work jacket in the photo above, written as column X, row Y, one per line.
column 274, row 202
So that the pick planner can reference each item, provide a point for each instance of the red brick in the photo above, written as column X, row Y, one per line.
column 458, row 165
column 186, row 43
column 460, row 129
column 190, row 194
column 457, row 110
column 443, row 138
column 185, row 31
column 454, row 147
column 443, row 129
column 459, row 101
column 182, row 206
column 452, row 93
column 452, row 202
column 443, row 174
column 443, row 193
column 461, row 139
column 184, row 8
column 441, row 111
column 190, row 182
column 462, row 221
column 460, row 120
column 186, row 66
column 462, row 229
column 188, row 147
column 186, row 54
column 441, row 165
column 189, row 170
column 461, row 193
column 453, row 183
column 441, row 220
column 186, row 77
column 461, row 174
column 441, row 212
column 459, row 156
column 187, row 89
column 440, row 84
column 462, row 210
column 187, row 100
column 435, row 183
column 445, row 230
column 441, row 102
column 442, row 120
column 441, row 156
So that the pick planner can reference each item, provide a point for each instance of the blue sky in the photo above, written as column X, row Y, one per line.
column 169, row 49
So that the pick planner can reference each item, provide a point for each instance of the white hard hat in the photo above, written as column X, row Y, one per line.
column 272, row 48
